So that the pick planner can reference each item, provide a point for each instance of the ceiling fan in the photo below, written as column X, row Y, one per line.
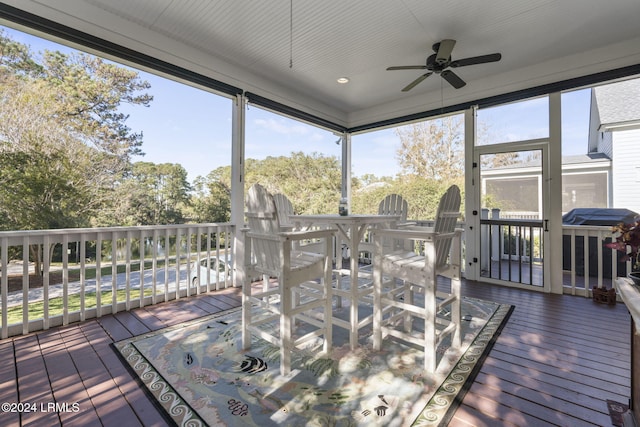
column 441, row 60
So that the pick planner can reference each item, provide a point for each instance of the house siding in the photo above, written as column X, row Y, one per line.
column 626, row 170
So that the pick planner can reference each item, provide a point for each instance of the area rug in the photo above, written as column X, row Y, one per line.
column 199, row 375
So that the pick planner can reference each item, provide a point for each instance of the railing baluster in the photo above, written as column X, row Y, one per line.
column 154, row 265
column 114, row 272
column 178, row 243
column 25, row 285
column 585, row 255
column 188, row 259
column 4, row 263
column 208, row 254
column 226, row 264
column 599, row 252
column 46, row 266
column 167, row 248
column 99, row 275
column 83, row 256
column 141, row 244
column 65, row 279
column 127, row 288
column 573, row 261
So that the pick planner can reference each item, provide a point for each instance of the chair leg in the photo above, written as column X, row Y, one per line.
column 456, row 315
column 408, row 299
column 246, row 315
column 328, row 306
column 377, row 301
column 430, row 338
column 285, row 328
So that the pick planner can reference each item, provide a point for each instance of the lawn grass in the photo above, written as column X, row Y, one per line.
column 36, row 309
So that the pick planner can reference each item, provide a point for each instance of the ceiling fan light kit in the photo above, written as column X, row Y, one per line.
column 440, row 61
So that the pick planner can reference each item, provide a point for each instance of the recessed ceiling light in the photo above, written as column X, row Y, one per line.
column 343, row 80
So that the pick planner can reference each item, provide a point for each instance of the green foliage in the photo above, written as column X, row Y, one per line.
column 66, row 150
column 64, row 147
column 311, row 181
column 211, row 201
column 151, row 194
column 44, row 182
column 422, row 194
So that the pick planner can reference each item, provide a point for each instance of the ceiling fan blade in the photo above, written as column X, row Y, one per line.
column 416, row 81
column 444, row 51
column 453, row 79
column 408, row 67
column 476, row 60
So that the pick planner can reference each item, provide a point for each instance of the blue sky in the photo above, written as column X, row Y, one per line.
column 192, row 127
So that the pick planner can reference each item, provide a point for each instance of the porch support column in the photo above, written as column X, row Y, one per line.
column 471, row 194
column 237, row 181
column 553, row 238
column 346, row 169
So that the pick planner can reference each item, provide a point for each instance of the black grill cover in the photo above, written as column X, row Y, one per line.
column 598, row 216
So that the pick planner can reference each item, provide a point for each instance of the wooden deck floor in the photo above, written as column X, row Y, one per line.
column 556, row 363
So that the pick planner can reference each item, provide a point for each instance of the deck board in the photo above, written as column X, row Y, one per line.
column 557, row 361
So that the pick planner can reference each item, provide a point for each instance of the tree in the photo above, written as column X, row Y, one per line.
column 212, row 199
column 63, row 145
column 433, row 149
column 151, row 194
column 311, row 181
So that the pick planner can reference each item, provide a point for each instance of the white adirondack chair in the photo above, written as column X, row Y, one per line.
column 394, row 204
column 298, row 296
column 399, row 274
column 284, row 208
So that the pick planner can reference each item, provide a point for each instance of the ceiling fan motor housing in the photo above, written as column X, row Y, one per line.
column 435, row 66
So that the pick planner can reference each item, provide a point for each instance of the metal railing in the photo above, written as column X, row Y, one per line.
column 512, row 251
column 86, row 273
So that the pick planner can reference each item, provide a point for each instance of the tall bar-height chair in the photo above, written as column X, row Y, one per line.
column 303, row 290
column 285, row 209
column 400, row 273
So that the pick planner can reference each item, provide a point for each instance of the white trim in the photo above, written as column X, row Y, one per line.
column 471, row 203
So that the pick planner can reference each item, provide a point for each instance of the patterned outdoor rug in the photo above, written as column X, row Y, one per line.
column 198, row 373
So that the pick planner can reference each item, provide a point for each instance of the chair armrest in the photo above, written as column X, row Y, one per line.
column 414, row 233
column 309, row 234
column 406, row 224
column 294, row 235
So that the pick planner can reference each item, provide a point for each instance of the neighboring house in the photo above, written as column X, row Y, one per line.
column 607, row 176
column 585, row 184
column 615, row 131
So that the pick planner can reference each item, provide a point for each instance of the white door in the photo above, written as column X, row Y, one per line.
column 512, row 222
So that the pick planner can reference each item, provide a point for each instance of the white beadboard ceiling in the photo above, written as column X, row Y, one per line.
column 256, row 46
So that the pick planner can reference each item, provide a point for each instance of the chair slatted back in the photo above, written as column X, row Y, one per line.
column 284, row 208
column 394, row 204
column 262, row 219
column 446, row 219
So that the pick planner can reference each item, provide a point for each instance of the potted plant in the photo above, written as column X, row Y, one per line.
column 629, row 237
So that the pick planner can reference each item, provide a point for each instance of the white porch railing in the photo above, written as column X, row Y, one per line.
column 96, row 271
column 586, row 262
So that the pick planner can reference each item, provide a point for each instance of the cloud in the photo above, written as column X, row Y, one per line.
column 281, row 127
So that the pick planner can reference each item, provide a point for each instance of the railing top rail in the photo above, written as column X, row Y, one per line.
column 514, row 222
column 586, row 227
column 61, row 231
